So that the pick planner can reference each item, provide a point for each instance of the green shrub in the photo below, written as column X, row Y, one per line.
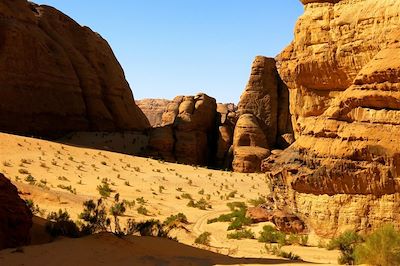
column 203, row 239
column 60, row 224
column 116, row 210
column 382, row 248
column 277, row 251
column 242, row 234
column 186, row 196
column 346, row 243
column 148, row 228
column 269, row 234
column 237, row 217
column 256, row 202
column 178, row 218
column 104, row 190
column 202, row 204
column 142, row 210
column 95, row 217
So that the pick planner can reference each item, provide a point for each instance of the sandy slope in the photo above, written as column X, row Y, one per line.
column 160, row 184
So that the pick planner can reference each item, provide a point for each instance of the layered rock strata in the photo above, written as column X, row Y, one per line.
column 342, row 70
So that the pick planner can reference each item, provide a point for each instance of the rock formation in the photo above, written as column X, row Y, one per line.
column 263, row 117
column 153, row 109
column 57, row 76
column 16, row 218
column 187, row 134
column 342, row 70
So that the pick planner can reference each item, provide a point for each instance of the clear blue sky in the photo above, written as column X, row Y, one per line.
column 181, row 47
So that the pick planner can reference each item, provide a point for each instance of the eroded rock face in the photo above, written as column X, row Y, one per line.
column 57, row 76
column 153, row 109
column 342, row 70
column 188, row 131
column 16, row 218
column 263, row 117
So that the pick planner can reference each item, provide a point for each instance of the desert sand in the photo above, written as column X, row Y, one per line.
column 160, row 184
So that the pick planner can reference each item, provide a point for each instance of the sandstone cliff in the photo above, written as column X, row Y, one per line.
column 188, row 132
column 153, row 109
column 263, row 117
column 58, row 76
column 16, row 218
column 342, row 70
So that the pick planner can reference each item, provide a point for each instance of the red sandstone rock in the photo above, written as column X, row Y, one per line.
column 15, row 216
column 57, row 76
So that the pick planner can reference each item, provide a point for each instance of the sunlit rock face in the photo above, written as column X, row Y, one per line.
column 343, row 74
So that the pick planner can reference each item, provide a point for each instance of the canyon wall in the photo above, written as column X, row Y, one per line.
column 57, row 76
column 342, row 70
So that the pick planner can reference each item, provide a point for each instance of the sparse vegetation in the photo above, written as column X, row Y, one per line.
column 237, row 217
column 257, row 202
column 116, row 210
column 95, row 217
column 241, row 234
column 68, row 188
column 175, row 219
column 142, row 210
column 201, row 204
column 104, row 190
column 203, row 239
column 30, row 179
column 23, row 171
column 60, row 224
column 382, row 248
column 269, row 234
column 346, row 243
column 277, row 251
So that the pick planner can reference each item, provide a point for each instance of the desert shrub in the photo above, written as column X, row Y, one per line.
column 104, row 190
column 174, row 219
column 202, row 204
column 116, row 210
column 186, row 196
column 68, row 188
column 60, row 224
column 382, row 248
column 295, row 239
column 142, row 210
column 95, row 217
column 256, row 202
column 269, row 234
column 35, row 209
column 277, row 251
column 242, row 234
column 236, row 205
column 30, row 179
column 346, row 243
column 148, row 228
column 141, row 200
column 203, row 239
column 237, row 217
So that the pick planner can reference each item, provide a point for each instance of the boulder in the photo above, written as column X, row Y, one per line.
column 16, row 218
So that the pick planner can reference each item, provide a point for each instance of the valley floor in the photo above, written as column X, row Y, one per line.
column 65, row 176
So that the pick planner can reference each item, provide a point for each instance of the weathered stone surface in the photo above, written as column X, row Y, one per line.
column 58, row 76
column 16, row 218
column 284, row 222
column 153, row 109
column 342, row 70
column 264, row 119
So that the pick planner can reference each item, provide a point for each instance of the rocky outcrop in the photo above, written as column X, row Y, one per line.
column 16, row 218
column 227, row 114
column 187, row 134
column 154, row 110
column 284, row 222
column 57, row 76
column 342, row 70
column 263, row 117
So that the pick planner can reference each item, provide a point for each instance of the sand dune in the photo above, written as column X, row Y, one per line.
column 65, row 176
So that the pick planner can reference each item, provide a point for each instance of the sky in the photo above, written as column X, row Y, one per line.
column 182, row 47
